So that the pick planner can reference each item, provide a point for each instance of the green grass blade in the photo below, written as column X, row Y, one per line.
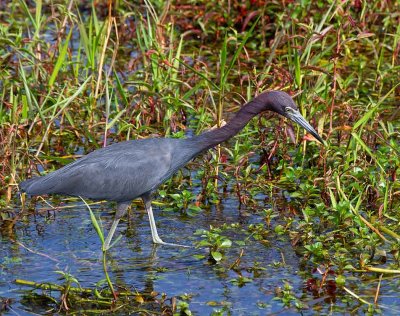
column 95, row 223
column 64, row 103
column 366, row 117
column 239, row 49
column 222, row 62
column 200, row 74
column 366, row 148
column 28, row 13
column 60, row 60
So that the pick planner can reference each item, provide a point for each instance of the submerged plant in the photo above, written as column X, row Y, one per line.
column 215, row 241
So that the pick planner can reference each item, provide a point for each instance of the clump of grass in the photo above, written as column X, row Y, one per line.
column 76, row 299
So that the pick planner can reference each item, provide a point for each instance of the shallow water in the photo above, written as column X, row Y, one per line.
column 65, row 240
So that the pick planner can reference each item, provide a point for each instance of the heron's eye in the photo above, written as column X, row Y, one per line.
column 288, row 110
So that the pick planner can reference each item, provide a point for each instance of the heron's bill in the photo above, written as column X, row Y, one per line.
column 295, row 116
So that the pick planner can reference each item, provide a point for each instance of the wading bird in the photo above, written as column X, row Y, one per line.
column 128, row 170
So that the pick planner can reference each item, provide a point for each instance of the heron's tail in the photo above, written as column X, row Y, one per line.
column 37, row 186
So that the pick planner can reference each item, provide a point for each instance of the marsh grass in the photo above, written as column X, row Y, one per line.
column 75, row 77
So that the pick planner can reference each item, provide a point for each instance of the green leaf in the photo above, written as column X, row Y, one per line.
column 175, row 196
column 199, row 257
column 226, row 243
column 217, row 256
column 204, row 243
column 340, row 280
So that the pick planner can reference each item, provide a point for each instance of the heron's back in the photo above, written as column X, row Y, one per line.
column 119, row 172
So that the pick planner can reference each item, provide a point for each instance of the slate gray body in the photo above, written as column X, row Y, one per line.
column 120, row 172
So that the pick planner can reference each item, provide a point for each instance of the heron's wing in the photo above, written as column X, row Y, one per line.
column 119, row 172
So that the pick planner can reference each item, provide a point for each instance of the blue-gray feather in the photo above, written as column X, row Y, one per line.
column 119, row 172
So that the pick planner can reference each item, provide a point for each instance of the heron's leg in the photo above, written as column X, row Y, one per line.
column 121, row 211
column 153, row 227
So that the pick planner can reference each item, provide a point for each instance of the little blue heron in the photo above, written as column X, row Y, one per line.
column 128, row 170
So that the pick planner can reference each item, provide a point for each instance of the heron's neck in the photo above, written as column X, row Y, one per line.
column 243, row 116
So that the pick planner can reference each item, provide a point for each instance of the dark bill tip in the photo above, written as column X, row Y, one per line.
column 299, row 119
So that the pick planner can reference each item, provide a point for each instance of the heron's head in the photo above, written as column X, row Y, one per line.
column 282, row 103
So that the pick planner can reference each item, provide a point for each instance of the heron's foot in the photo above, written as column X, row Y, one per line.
column 157, row 240
column 172, row 244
